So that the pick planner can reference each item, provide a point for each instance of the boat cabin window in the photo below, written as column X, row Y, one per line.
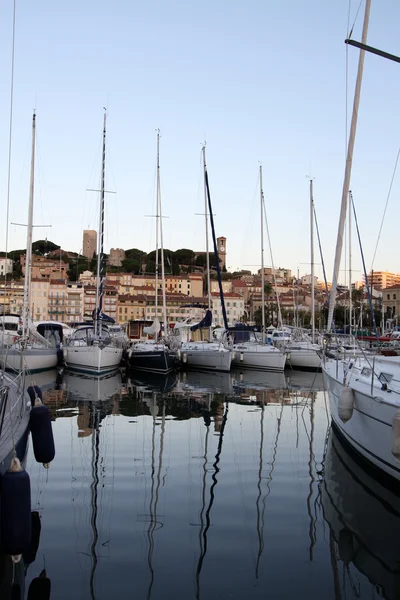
column 9, row 326
column 385, row 377
column 366, row 372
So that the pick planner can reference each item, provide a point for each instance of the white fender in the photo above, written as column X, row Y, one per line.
column 346, row 404
column 396, row 435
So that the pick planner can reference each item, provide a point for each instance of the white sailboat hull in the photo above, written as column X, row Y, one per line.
column 304, row 356
column 93, row 359
column 369, row 429
column 30, row 359
column 204, row 355
column 258, row 356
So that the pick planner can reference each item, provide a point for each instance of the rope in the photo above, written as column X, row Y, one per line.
column 355, row 18
column 386, row 205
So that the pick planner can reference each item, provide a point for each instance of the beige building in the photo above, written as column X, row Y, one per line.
column 6, row 266
column 12, row 296
column 226, row 287
column 46, row 268
column 234, row 306
column 39, row 298
column 89, row 243
column 391, row 303
column 382, row 279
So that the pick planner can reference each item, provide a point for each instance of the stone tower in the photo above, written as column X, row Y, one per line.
column 89, row 244
column 221, row 245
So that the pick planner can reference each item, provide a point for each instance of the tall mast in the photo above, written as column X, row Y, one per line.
column 312, row 262
column 350, row 298
column 100, row 242
column 28, row 256
column 206, row 223
column 164, row 301
column 157, row 218
column 262, row 261
column 349, row 160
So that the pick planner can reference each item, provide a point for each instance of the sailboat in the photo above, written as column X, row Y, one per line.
column 305, row 353
column 254, row 353
column 30, row 351
column 155, row 355
column 363, row 391
column 212, row 355
column 92, row 348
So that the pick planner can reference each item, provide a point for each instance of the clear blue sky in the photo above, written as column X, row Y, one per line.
column 260, row 81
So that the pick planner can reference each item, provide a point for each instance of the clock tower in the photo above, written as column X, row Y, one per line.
column 221, row 245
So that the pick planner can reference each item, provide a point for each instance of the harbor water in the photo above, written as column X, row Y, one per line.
column 206, row 486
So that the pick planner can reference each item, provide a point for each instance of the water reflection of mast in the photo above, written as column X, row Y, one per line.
column 312, row 530
column 207, row 423
column 93, row 498
column 203, row 535
column 259, row 524
column 261, row 521
column 154, row 496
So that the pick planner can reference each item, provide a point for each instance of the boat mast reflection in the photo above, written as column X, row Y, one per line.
column 93, row 495
column 204, row 529
column 155, row 484
column 261, row 517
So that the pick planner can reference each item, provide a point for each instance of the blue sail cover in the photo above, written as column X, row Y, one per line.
column 103, row 317
column 205, row 322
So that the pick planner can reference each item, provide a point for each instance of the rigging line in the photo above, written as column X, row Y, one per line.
column 9, row 152
column 355, row 19
column 369, row 288
column 321, row 254
column 273, row 265
column 386, row 205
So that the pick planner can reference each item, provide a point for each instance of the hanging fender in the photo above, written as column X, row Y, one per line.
column 346, row 404
column 41, row 428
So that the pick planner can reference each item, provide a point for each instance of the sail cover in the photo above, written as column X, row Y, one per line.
column 205, row 322
column 153, row 329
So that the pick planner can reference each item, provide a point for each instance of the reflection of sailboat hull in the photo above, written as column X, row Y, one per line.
column 219, row 383
column 86, row 387
column 305, row 380
column 258, row 379
column 156, row 381
column 32, row 359
column 96, row 359
column 363, row 515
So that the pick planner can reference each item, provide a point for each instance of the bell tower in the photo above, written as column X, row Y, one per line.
column 221, row 245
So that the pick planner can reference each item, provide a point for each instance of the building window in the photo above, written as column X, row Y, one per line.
column 388, row 296
column 394, row 296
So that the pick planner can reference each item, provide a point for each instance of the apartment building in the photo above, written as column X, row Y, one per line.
column 46, row 268
column 6, row 266
column 382, row 279
column 234, row 305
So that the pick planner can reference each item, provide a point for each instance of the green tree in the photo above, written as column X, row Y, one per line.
column 131, row 265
